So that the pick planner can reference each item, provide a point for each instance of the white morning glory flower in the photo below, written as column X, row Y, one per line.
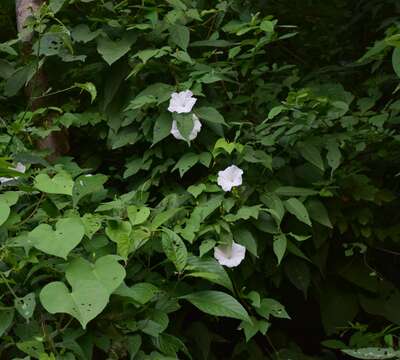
column 230, row 177
column 181, row 102
column 20, row 168
column 230, row 256
column 196, row 129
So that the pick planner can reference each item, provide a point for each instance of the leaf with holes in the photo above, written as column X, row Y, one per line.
column 84, row 303
column 138, row 214
column 106, row 271
column 61, row 183
column 85, row 185
column 372, row 353
column 92, row 224
column 174, row 248
column 59, row 242
column 26, row 305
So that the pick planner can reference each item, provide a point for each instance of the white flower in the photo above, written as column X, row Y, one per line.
column 196, row 129
column 230, row 256
column 181, row 102
column 20, row 168
column 230, row 177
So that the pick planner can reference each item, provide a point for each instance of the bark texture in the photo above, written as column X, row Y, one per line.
column 56, row 142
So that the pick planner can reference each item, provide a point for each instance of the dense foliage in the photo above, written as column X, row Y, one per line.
column 119, row 249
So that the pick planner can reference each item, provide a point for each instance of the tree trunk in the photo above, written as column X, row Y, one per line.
column 56, row 142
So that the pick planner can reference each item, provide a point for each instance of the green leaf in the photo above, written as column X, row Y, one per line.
column 87, row 184
column 56, row 5
column 59, row 242
column 186, row 162
column 272, row 307
column 133, row 345
column 372, row 353
column 106, row 271
column 334, row 155
column 180, row 35
column 296, row 208
column 155, row 324
column 295, row 191
column 4, row 212
column 279, row 246
column 318, row 212
column 84, row 303
column 92, row 224
column 174, row 249
column 210, row 114
column 275, row 111
column 184, row 123
column 26, row 305
column 111, row 51
column 209, row 269
column 6, row 319
column 396, row 61
column 138, row 214
column 141, row 293
column 61, row 183
column 163, row 217
column 162, row 128
column 311, row 154
column 90, row 88
column 119, row 232
column 218, row 303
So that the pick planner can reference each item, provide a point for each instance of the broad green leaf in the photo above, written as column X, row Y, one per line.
column 91, row 223
column 4, row 212
column 218, row 303
column 61, row 183
column 111, row 50
column 372, row 353
column 82, row 33
column 84, row 303
column 210, row 114
column 134, row 343
column 141, row 293
column 138, row 214
column 244, row 237
column 163, row 217
column 186, row 162
column 334, row 155
column 318, row 212
column 162, row 128
column 9, row 197
column 119, row 232
column 56, row 5
column 87, row 184
column 184, row 123
column 275, row 111
column 180, row 35
column 106, row 271
column 25, row 305
column 209, row 269
column 154, row 324
column 250, row 329
column 174, row 249
column 279, row 246
column 311, row 154
column 272, row 307
column 396, row 61
column 59, row 242
column 6, row 319
column 32, row 348
column 296, row 208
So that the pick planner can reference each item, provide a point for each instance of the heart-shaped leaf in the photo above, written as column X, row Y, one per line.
column 68, row 234
column 107, row 271
column 111, row 51
column 26, row 305
column 61, row 183
column 84, row 303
